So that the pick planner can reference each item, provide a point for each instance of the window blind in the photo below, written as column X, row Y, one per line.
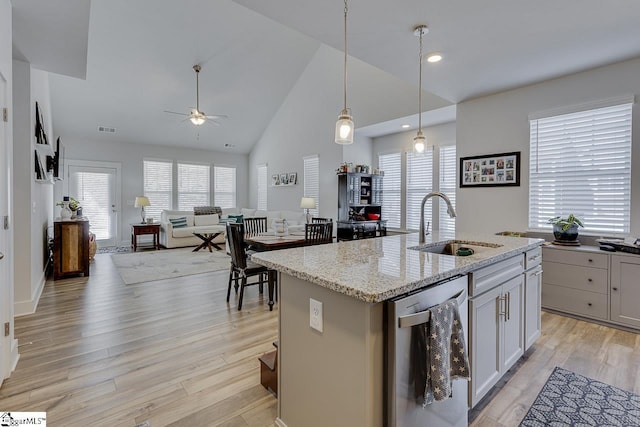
column 224, row 184
column 93, row 189
column 419, row 184
column 262, row 187
column 391, row 164
column 447, row 186
column 580, row 163
column 312, row 181
column 193, row 185
column 158, row 186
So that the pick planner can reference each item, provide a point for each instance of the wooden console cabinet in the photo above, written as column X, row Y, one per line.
column 70, row 248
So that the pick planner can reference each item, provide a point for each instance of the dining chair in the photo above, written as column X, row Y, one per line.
column 318, row 233
column 318, row 219
column 255, row 226
column 242, row 268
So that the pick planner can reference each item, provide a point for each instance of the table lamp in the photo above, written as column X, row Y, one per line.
column 308, row 203
column 141, row 202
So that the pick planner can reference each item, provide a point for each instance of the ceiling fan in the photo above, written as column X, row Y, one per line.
column 197, row 116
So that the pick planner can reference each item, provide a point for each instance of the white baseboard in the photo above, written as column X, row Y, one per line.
column 22, row 308
column 280, row 423
column 15, row 356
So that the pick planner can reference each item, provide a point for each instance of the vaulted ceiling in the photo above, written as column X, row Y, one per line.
column 138, row 55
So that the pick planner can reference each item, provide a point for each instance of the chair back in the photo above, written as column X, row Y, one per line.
column 255, row 226
column 235, row 237
column 318, row 233
column 318, row 219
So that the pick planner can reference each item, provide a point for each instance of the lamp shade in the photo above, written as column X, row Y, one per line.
column 142, row 201
column 308, row 203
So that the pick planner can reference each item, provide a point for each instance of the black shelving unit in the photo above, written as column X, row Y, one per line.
column 359, row 194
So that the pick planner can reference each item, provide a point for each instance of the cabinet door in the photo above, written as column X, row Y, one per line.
column 532, row 308
column 625, row 292
column 513, row 328
column 485, row 329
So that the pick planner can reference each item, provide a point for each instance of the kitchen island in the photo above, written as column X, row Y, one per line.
column 336, row 375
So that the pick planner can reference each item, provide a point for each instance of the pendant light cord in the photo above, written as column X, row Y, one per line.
column 346, row 9
column 420, row 84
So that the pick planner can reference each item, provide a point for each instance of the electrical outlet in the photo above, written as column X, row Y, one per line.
column 315, row 314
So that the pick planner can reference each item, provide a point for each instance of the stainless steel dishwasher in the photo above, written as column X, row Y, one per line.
column 403, row 313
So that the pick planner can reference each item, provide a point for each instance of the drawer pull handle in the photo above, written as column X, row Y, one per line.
column 615, row 289
column 590, row 280
column 538, row 273
column 590, row 260
column 535, row 257
column 589, row 304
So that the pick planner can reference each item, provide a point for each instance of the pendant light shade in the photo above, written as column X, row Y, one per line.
column 419, row 141
column 344, row 125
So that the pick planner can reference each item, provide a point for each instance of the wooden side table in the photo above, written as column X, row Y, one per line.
column 70, row 248
column 142, row 229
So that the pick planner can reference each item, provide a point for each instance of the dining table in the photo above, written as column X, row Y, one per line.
column 270, row 242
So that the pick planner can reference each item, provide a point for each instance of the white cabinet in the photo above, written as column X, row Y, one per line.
column 532, row 297
column 496, row 326
column 625, row 290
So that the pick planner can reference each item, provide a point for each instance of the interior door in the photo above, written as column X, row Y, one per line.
column 6, row 298
column 96, row 189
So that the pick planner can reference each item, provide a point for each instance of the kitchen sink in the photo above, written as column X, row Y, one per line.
column 455, row 247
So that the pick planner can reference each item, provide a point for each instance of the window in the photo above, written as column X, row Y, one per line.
column 312, row 181
column 193, row 186
column 262, row 187
column 580, row 163
column 391, row 164
column 419, row 184
column 158, row 186
column 447, row 225
column 224, row 184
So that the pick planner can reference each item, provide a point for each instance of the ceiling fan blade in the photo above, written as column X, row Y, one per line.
column 173, row 112
column 217, row 116
column 213, row 122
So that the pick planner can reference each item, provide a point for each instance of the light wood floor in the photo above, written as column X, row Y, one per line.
column 171, row 352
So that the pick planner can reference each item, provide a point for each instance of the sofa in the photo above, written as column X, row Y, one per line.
column 171, row 237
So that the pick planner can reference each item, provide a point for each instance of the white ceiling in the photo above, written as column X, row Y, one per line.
column 141, row 53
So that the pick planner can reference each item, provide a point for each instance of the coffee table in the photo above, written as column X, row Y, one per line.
column 207, row 241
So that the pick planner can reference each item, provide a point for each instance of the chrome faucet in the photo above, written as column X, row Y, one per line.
column 450, row 211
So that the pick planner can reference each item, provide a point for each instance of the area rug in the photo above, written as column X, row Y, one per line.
column 165, row 264
column 113, row 249
column 569, row 399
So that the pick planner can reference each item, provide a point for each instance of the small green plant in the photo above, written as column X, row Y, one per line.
column 73, row 204
column 567, row 222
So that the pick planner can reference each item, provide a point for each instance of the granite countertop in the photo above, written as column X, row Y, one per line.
column 375, row 270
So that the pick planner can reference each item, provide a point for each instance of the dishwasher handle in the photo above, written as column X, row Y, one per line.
column 424, row 316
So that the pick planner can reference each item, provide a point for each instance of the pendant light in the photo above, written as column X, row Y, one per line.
column 344, row 125
column 419, row 141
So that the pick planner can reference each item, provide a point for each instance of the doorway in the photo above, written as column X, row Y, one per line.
column 97, row 186
column 6, row 294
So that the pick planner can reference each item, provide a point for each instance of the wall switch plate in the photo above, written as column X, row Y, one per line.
column 315, row 314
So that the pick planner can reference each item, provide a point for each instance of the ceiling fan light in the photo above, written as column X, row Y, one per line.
column 344, row 129
column 197, row 120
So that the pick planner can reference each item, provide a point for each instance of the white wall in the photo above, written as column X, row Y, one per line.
column 131, row 155
column 499, row 123
column 360, row 152
column 305, row 125
column 33, row 201
column 438, row 135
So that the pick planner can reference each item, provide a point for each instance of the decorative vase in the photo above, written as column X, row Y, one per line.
column 280, row 227
column 569, row 235
column 65, row 212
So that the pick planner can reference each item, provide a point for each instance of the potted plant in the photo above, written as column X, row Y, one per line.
column 566, row 229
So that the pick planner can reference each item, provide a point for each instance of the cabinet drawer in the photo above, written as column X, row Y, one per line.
column 571, row 276
column 584, row 303
column 496, row 274
column 532, row 258
column 585, row 259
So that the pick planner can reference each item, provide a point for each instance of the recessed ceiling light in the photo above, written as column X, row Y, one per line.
column 434, row 57
column 406, row 126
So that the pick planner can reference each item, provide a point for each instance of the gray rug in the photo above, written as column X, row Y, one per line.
column 165, row 264
column 569, row 399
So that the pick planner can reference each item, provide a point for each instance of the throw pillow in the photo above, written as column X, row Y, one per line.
column 179, row 222
column 239, row 218
column 206, row 219
column 207, row 210
column 228, row 220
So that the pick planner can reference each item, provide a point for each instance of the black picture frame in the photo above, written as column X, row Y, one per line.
column 491, row 170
